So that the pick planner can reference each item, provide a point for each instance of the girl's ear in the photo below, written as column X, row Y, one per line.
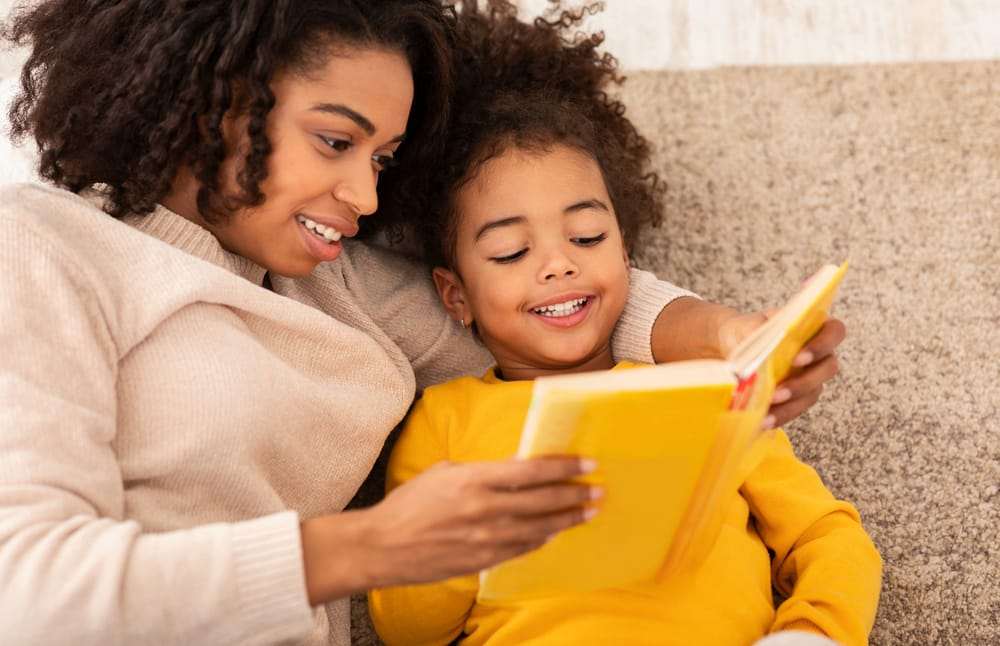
column 452, row 294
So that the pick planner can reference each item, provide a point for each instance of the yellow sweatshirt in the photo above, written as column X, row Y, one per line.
column 823, row 561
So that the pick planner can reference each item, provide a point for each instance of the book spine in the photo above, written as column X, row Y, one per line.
column 744, row 389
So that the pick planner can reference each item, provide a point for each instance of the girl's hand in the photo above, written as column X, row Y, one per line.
column 815, row 364
column 450, row 520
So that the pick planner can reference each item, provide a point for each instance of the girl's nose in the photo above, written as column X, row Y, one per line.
column 558, row 265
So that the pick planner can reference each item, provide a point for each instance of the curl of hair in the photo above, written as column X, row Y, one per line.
column 119, row 94
column 532, row 86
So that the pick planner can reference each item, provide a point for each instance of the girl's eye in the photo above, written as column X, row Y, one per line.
column 503, row 260
column 339, row 145
column 384, row 162
column 590, row 242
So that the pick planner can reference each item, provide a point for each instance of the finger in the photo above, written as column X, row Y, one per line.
column 544, row 499
column 831, row 335
column 529, row 529
column 808, row 380
column 783, row 413
column 532, row 472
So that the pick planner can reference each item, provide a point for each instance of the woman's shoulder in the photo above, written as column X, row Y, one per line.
column 58, row 218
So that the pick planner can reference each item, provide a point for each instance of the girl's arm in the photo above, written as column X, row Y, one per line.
column 824, row 562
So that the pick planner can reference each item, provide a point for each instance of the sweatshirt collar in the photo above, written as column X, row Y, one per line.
column 179, row 232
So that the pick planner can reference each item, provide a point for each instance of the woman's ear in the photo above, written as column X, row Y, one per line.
column 452, row 294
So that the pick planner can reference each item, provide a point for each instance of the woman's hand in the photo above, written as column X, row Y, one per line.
column 815, row 364
column 453, row 519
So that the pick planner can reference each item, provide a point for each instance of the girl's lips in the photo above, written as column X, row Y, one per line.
column 318, row 249
column 573, row 319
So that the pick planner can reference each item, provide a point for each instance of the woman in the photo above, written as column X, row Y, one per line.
column 192, row 389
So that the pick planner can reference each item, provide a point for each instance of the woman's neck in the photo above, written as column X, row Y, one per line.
column 183, row 197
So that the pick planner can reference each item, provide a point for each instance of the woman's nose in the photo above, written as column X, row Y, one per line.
column 358, row 189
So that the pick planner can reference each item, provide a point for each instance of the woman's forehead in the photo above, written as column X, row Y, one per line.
column 375, row 83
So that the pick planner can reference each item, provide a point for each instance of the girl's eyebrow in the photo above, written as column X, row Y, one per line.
column 592, row 203
column 496, row 224
column 582, row 205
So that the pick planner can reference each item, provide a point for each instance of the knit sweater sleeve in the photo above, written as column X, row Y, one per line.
column 403, row 300
column 73, row 569
column 824, row 562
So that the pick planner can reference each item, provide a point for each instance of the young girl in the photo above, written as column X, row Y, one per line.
column 543, row 191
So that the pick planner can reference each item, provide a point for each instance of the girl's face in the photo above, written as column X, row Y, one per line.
column 331, row 134
column 541, row 265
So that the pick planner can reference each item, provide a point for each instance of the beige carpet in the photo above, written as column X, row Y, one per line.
column 774, row 171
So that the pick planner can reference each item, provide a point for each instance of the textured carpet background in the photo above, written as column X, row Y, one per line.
column 774, row 171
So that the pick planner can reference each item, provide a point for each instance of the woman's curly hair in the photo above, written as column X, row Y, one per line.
column 531, row 86
column 119, row 94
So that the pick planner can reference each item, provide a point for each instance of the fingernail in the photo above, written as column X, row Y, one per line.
column 781, row 396
column 587, row 465
column 596, row 493
column 589, row 513
column 551, row 536
column 803, row 359
column 768, row 423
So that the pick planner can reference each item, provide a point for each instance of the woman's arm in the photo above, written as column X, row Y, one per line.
column 432, row 613
column 399, row 295
column 689, row 328
column 73, row 568
column 661, row 323
column 824, row 562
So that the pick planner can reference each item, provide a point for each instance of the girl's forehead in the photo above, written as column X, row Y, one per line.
column 525, row 189
column 531, row 180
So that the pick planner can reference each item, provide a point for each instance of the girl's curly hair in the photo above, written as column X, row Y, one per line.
column 120, row 93
column 531, row 86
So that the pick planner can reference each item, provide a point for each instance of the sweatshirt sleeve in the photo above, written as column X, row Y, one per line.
column 73, row 569
column 428, row 614
column 400, row 295
column 824, row 562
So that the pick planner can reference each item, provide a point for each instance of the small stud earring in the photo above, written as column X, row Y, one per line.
column 463, row 323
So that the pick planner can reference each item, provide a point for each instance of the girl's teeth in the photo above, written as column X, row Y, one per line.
column 562, row 309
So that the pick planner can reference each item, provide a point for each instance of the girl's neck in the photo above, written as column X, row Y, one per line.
column 510, row 369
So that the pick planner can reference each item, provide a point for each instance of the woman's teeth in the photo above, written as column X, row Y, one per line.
column 561, row 309
column 329, row 234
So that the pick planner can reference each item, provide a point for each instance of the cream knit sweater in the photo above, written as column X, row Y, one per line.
column 165, row 421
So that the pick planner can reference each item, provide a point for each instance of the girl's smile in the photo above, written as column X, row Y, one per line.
column 564, row 311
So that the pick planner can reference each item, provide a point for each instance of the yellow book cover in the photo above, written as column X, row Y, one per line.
column 670, row 441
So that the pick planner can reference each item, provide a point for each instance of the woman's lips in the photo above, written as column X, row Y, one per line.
column 319, row 249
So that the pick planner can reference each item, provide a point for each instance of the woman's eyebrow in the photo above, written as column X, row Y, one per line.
column 363, row 122
column 337, row 108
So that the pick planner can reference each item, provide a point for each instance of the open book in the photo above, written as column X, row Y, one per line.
column 672, row 443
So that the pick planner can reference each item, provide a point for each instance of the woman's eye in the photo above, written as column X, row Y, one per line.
column 503, row 260
column 383, row 162
column 590, row 242
column 339, row 145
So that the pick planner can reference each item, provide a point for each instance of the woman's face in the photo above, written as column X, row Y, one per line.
column 331, row 133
